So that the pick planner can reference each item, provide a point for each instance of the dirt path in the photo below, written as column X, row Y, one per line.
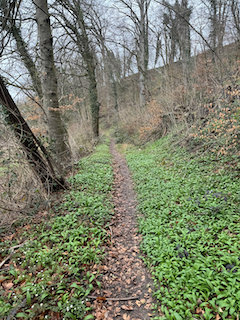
column 124, row 273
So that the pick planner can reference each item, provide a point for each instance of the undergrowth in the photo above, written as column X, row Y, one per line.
column 190, row 223
column 52, row 274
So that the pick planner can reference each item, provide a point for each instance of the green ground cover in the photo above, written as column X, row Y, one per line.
column 191, row 230
column 52, row 273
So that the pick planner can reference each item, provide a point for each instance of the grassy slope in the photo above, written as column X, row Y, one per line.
column 191, row 230
column 53, row 272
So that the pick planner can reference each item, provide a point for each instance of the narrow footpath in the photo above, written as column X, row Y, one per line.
column 126, row 284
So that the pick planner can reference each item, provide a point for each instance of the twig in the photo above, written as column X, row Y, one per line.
column 165, row 130
column 7, row 209
column 17, row 246
column 111, row 232
column 113, row 299
column 4, row 269
column 12, row 252
column 5, row 260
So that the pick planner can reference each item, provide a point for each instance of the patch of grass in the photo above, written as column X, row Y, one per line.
column 54, row 270
column 191, row 230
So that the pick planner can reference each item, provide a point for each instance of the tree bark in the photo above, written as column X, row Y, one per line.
column 236, row 16
column 49, row 82
column 88, row 56
column 79, row 29
column 93, row 99
column 27, row 60
column 42, row 168
column 141, row 56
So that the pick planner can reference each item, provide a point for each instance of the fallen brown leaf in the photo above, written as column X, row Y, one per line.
column 138, row 303
column 200, row 310
column 218, row 317
column 129, row 308
column 101, row 298
column 126, row 317
column 7, row 285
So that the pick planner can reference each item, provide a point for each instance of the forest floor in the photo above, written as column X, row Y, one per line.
column 160, row 240
column 126, row 282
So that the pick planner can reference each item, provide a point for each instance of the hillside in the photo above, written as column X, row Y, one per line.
column 149, row 227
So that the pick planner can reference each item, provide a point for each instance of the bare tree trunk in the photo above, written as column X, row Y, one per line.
column 236, row 15
column 79, row 29
column 15, row 31
column 27, row 60
column 141, row 56
column 143, row 49
column 140, row 21
column 93, row 99
column 43, row 169
column 184, row 35
column 49, row 82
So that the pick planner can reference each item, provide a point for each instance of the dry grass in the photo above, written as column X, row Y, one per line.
column 19, row 188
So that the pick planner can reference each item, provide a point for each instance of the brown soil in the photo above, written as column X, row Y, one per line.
column 124, row 274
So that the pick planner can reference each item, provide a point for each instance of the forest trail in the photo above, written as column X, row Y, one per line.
column 124, row 273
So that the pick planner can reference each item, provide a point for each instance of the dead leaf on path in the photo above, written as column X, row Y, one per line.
column 126, row 317
column 106, row 315
column 108, row 293
column 150, row 290
column 129, row 308
column 101, row 298
column 117, row 312
column 138, row 303
column 99, row 315
column 218, row 317
column 7, row 285
column 148, row 306
column 200, row 311
column 143, row 301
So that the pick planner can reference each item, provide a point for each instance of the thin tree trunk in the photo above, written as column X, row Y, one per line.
column 27, row 60
column 49, row 82
column 42, row 169
column 93, row 99
column 82, row 41
column 142, row 58
column 236, row 16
